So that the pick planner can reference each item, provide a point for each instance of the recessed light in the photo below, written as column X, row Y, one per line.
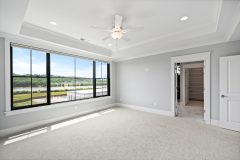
column 53, row 23
column 82, row 39
column 184, row 18
column 109, row 44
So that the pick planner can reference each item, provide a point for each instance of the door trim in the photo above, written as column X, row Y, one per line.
column 205, row 56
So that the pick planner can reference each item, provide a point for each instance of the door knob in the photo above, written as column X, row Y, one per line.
column 223, row 96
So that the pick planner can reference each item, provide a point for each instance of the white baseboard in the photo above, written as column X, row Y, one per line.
column 13, row 130
column 10, row 131
column 215, row 122
column 161, row 112
column 145, row 109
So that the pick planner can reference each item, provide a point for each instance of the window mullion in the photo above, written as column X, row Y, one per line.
column 31, row 75
column 94, row 79
column 102, row 79
column 75, row 77
column 108, row 79
column 48, row 78
column 11, row 66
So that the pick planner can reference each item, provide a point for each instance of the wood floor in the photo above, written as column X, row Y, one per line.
column 194, row 110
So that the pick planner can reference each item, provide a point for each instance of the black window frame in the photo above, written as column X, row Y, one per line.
column 103, row 78
column 48, row 76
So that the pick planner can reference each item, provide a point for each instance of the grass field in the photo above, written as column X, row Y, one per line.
column 25, row 99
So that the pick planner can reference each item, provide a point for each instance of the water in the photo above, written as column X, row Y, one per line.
column 17, row 89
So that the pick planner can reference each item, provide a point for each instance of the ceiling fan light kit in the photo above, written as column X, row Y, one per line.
column 117, row 32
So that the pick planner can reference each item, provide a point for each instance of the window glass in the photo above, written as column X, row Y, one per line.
column 104, row 70
column 39, row 90
column 104, row 87
column 21, row 61
column 99, row 87
column 62, row 78
column 21, row 91
column 39, row 63
column 62, row 89
column 21, row 80
column 84, row 88
column 62, row 66
column 84, row 78
column 84, row 68
column 98, row 69
column 101, row 79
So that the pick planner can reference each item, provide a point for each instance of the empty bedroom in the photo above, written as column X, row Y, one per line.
column 119, row 80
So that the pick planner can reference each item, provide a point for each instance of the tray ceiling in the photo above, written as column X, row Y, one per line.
column 210, row 21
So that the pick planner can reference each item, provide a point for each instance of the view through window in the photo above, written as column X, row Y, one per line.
column 101, row 79
column 42, row 78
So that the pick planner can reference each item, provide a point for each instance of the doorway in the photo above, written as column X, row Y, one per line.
column 199, row 59
column 190, row 90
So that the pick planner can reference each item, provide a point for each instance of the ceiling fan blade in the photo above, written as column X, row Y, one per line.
column 101, row 28
column 106, row 38
column 118, row 20
column 130, row 28
column 125, row 38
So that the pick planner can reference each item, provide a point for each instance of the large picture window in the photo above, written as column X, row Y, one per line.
column 40, row 77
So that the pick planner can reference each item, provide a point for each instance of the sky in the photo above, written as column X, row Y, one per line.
column 61, row 65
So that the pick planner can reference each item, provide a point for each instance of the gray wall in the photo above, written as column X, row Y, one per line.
column 143, row 81
column 147, row 81
column 26, row 118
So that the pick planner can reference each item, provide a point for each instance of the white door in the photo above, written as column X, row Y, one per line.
column 230, row 92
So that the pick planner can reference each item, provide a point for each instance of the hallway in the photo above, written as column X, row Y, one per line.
column 194, row 110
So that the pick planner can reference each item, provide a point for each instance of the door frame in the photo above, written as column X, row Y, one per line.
column 205, row 57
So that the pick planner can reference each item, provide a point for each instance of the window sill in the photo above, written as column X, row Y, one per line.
column 52, row 106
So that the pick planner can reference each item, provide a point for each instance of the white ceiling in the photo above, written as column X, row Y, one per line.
column 210, row 21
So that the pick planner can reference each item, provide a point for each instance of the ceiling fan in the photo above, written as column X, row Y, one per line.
column 118, row 32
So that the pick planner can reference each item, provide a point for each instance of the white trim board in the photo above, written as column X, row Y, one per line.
column 14, row 130
column 21, row 128
column 55, row 106
column 160, row 112
column 215, row 122
column 205, row 57
column 193, row 65
column 145, row 109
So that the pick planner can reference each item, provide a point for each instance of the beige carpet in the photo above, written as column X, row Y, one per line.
column 124, row 134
